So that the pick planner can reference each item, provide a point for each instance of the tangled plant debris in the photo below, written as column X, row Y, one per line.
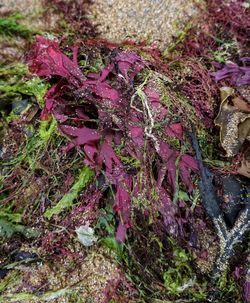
column 103, row 161
column 117, row 118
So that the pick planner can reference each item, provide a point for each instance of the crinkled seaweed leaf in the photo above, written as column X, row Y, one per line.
column 237, row 75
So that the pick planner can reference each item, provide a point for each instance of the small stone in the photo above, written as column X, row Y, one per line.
column 85, row 235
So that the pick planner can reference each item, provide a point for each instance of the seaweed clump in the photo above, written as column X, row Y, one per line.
column 96, row 149
column 114, row 120
column 75, row 17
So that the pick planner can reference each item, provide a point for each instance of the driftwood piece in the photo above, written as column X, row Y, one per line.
column 228, row 237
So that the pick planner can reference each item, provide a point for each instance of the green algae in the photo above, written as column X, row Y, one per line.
column 9, row 26
column 68, row 200
column 45, row 297
column 33, row 87
column 180, row 279
column 47, row 128
column 8, row 229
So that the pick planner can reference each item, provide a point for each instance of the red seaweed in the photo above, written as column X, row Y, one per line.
column 237, row 75
column 75, row 12
column 115, row 122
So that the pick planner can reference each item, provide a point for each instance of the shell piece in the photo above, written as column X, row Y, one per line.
column 85, row 235
column 234, row 122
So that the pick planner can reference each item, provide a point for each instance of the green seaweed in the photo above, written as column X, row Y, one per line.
column 45, row 297
column 228, row 288
column 15, row 82
column 14, row 71
column 7, row 213
column 11, row 279
column 8, row 229
column 180, row 37
column 180, row 279
column 47, row 128
column 9, row 26
column 67, row 200
column 225, row 51
column 33, row 87
column 106, row 223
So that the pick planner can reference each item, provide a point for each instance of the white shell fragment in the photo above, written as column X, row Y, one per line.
column 85, row 235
